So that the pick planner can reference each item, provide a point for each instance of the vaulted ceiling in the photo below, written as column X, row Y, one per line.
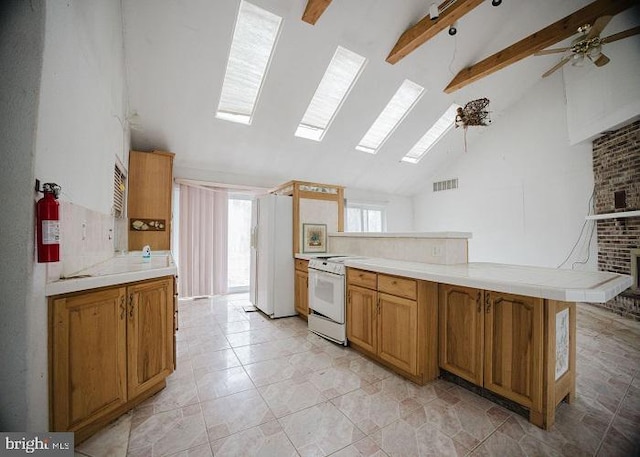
column 176, row 53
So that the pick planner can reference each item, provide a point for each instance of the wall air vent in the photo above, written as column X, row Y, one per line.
column 448, row 184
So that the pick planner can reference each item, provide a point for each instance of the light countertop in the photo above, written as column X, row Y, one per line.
column 550, row 283
column 120, row 269
column 438, row 235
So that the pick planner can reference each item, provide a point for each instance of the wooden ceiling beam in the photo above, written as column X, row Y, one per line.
column 558, row 31
column 314, row 10
column 418, row 34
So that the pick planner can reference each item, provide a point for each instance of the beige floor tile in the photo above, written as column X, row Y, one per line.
column 266, row 440
column 402, row 389
column 320, row 430
column 405, row 439
column 168, row 432
column 203, row 450
column 370, row 409
column 363, row 448
column 369, row 371
column 262, row 351
column 220, row 383
column 335, row 381
column 291, row 395
column 228, row 415
column 179, row 392
column 112, row 441
column 215, row 360
column 274, row 370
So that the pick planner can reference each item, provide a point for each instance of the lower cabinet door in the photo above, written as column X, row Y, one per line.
column 149, row 332
column 398, row 332
column 361, row 317
column 301, row 298
column 514, row 347
column 461, row 331
column 88, row 344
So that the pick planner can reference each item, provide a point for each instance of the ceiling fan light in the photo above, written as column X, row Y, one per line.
column 578, row 60
column 595, row 51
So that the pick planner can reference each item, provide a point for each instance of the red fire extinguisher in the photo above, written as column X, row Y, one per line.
column 48, row 224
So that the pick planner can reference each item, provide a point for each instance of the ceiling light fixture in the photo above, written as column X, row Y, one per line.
column 453, row 29
column 496, row 2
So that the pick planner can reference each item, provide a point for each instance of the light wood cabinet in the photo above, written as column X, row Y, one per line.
column 362, row 317
column 89, row 355
column 149, row 334
column 150, row 187
column 398, row 332
column 513, row 347
column 394, row 320
column 301, row 287
column 461, row 331
column 501, row 342
column 109, row 350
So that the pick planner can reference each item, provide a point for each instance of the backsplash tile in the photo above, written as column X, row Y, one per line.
column 82, row 247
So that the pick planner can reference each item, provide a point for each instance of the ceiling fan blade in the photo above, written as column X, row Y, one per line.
column 621, row 35
column 601, row 61
column 550, row 51
column 598, row 26
column 557, row 66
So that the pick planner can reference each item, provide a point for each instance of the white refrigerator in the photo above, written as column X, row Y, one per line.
column 272, row 265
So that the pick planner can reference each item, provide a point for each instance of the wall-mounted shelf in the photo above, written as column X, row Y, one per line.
column 621, row 215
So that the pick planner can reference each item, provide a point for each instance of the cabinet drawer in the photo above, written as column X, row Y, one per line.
column 302, row 265
column 362, row 278
column 400, row 287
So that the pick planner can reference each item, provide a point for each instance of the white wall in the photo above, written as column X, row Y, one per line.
column 600, row 99
column 21, row 48
column 523, row 191
column 64, row 91
column 82, row 101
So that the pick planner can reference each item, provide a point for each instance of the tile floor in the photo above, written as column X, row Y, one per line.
column 246, row 385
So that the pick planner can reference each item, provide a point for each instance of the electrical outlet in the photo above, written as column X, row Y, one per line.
column 84, row 230
column 436, row 251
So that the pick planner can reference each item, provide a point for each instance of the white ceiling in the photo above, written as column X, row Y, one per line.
column 176, row 54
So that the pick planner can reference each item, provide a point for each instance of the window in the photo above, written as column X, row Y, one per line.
column 254, row 39
column 338, row 79
column 238, row 243
column 365, row 218
column 398, row 107
column 433, row 135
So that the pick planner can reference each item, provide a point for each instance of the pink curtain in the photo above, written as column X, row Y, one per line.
column 202, row 252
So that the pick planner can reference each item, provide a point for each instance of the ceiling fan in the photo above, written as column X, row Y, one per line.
column 588, row 44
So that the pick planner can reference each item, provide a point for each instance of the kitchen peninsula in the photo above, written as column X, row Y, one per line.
column 508, row 329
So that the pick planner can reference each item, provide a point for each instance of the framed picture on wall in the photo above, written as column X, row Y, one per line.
column 314, row 237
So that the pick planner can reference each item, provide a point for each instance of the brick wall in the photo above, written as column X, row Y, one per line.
column 616, row 167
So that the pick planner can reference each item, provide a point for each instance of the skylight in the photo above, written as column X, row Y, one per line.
column 398, row 107
column 338, row 79
column 433, row 135
column 254, row 39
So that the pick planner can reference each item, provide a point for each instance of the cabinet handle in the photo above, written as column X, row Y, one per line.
column 479, row 301
column 349, row 297
column 378, row 306
column 123, row 308
column 487, row 302
column 130, row 305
